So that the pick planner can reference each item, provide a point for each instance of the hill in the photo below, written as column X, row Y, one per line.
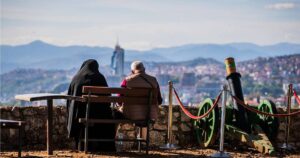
column 260, row 75
column 22, row 81
column 240, row 51
column 41, row 55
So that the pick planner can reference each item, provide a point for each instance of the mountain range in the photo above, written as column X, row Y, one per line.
column 41, row 55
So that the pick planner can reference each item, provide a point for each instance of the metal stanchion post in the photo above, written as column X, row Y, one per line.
column 170, row 144
column 286, row 145
column 221, row 153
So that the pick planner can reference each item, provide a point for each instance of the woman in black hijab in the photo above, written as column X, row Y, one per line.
column 89, row 75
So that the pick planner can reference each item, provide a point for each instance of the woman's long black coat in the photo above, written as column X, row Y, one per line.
column 89, row 75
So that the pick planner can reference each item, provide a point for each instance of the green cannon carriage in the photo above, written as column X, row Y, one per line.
column 256, row 130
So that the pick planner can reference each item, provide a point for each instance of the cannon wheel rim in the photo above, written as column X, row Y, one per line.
column 207, row 127
column 269, row 124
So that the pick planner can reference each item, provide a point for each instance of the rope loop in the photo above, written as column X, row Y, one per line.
column 260, row 112
column 296, row 96
column 190, row 115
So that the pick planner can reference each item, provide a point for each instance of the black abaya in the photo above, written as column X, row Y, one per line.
column 89, row 75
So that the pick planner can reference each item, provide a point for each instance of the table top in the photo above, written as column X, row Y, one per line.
column 44, row 96
column 9, row 121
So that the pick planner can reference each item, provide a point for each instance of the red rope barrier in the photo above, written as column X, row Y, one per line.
column 191, row 115
column 296, row 96
column 260, row 112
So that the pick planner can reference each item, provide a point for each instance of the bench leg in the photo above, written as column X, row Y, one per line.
column 86, row 135
column 147, row 139
column 139, row 136
column 79, row 144
column 20, row 141
column 49, row 126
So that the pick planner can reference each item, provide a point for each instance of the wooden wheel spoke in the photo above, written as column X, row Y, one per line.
column 270, row 124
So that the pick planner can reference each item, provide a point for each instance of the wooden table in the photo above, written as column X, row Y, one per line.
column 15, row 125
column 49, row 97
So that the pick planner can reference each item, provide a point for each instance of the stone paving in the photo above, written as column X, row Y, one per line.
column 182, row 153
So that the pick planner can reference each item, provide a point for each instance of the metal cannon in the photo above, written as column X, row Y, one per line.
column 256, row 130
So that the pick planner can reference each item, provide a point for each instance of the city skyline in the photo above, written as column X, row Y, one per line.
column 144, row 25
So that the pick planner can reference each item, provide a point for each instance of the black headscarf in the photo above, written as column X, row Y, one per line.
column 88, row 75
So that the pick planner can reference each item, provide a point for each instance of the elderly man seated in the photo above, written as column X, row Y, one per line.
column 139, row 79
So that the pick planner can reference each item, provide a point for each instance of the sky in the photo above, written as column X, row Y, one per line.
column 147, row 24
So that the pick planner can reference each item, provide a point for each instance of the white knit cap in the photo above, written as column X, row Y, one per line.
column 137, row 66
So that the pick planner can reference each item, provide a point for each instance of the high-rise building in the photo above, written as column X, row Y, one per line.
column 117, row 61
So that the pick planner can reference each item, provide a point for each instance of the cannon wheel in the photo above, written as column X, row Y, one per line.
column 207, row 127
column 269, row 124
column 229, row 114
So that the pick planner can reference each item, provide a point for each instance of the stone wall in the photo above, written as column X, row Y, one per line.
column 35, row 128
column 294, row 138
column 34, row 135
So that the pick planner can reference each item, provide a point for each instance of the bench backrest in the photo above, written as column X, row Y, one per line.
column 140, row 96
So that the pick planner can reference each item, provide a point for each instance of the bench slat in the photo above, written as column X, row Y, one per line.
column 138, row 92
column 111, row 140
column 122, row 99
column 83, row 120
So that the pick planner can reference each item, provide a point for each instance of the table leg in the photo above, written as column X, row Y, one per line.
column 49, row 126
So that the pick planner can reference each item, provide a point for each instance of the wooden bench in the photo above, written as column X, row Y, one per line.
column 126, row 96
column 14, row 125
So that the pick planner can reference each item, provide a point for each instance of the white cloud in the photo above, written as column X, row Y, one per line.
column 281, row 6
column 147, row 24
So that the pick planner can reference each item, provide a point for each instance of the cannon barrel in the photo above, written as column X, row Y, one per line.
column 234, row 83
